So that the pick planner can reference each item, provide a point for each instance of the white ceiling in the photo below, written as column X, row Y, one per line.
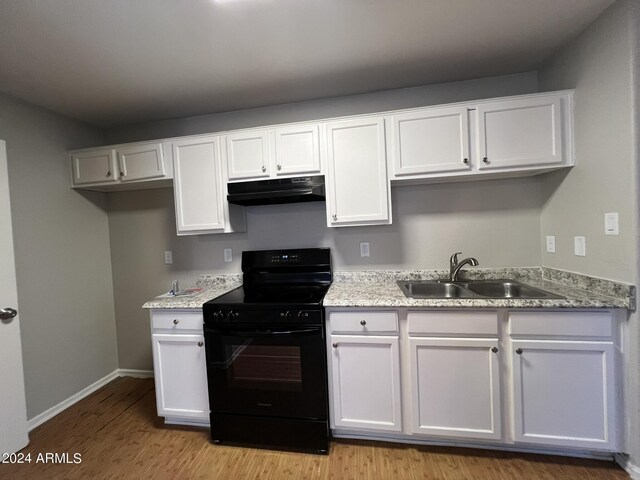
column 114, row 62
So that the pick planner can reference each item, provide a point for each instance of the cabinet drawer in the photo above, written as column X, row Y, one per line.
column 453, row 323
column 176, row 320
column 364, row 322
column 561, row 324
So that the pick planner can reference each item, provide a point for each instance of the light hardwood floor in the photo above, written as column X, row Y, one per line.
column 118, row 435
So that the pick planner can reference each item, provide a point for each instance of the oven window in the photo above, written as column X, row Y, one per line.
column 264, row 367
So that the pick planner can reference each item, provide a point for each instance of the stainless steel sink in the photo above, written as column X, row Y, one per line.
column 472, row 289
column 434, row 289
column 507, row 289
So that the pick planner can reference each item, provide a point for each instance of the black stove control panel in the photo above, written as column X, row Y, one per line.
column 223, row 314
column 285, row 258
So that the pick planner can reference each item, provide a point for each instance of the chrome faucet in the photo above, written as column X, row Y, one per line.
column 455, row 266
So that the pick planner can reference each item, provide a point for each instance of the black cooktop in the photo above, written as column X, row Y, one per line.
column 270, row 295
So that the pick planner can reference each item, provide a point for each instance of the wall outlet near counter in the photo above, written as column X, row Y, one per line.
column 364, row 249
column 228, row 255
column 551, row 244
column 580, row 246
column 611, row 226
column 168, row 257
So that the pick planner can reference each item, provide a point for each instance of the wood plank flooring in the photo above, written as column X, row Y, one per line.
column 119, row 436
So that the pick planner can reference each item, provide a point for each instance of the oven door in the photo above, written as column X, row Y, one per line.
column 263, row 370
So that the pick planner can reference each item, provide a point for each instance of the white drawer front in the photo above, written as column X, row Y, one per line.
column 561, row 324
column 453, row 323
column 364, row 322
column 176, row 320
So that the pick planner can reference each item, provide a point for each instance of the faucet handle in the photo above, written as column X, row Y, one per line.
column 453, row 261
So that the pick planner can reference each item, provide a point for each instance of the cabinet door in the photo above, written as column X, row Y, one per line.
column 564, row 393
column 366, row 382
column 140, row 162
column 248, row 155
column 455, row 387
column 358, row 184
column 180, row 376
column 520, row 133
column 297, row 150
column 198, row 188
column 431, row 141
column 96, row 166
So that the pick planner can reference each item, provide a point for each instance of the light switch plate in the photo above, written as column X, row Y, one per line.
column 228, row 255
column 551, row 244
column 580, row 246
column 364, row 249
column 168, row 257
column 611, row 226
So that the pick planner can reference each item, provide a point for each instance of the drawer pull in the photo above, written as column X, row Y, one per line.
column 363, row 322
column 519, row 351
column 200, row 344
column 494, row 349
column 175, row 321
column 335, row 345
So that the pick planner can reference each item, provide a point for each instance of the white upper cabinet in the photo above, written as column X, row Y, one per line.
column 94, row 167
column 140, row 162
column 520, row 133
column 199, row 189
column 357, row 183
column 248, row 154
column 297, row 149
column 270, row 153
column 122, row 167
column 432, row 140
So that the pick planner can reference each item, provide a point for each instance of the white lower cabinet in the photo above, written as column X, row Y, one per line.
column 524, row 378
column 455, row 387
column 365, row 377
column 564, row 387
column 179, row 366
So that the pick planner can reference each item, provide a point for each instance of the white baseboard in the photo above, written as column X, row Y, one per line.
column 128, row 372
column 85, row 392
column 630, row 468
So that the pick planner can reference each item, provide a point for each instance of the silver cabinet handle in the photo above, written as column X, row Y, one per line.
column 8, row 313
column 279, row 167
column 175, row 321
column 363, row 322
column 335, row 345
column 519, row 351
column 264, row 169
column 465, row 160
column 200, row 344
column 494, row 349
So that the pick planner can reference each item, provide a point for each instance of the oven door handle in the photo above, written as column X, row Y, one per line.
column 267, row 333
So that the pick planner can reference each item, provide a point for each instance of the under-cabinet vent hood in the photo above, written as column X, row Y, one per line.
column 282, row 190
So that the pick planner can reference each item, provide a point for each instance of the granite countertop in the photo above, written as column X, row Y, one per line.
column 379, row 289
column 212, row 286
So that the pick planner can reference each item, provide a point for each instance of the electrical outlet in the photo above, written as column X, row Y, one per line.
column 551, row 244
column 580, row 246
column 611, row 226
column 228, row 255
column 168, row 257
column 364, row 249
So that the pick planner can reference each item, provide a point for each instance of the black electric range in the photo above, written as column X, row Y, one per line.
column 266, row 352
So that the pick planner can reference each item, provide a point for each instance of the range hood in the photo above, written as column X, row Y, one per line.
column 282, row 190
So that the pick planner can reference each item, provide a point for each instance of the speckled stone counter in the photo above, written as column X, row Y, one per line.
column 379, row 289
column 213, row 286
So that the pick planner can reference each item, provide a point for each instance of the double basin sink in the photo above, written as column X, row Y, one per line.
column 472, row 289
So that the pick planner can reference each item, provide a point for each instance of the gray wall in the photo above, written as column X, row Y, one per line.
column 429, row 222
column 600, row 66
column 62, row 257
